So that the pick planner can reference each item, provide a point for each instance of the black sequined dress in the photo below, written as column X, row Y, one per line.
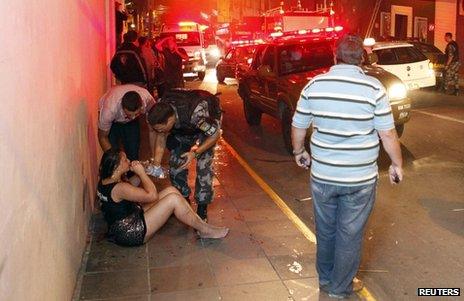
column 126, row 222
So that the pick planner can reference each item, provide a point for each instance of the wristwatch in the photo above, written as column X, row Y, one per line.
column 197, row 155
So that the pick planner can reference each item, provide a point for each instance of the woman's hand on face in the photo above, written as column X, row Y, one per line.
column 137, row 167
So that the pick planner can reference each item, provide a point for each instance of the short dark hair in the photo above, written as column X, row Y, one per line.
column 130, row 36
column 160, row 113
column 109, row 162
column 349, row 50
column 449, row 35
column 142, row 40
column 131, row 101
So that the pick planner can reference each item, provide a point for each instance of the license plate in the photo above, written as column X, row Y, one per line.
column 413, row 86
column 404, row 115
column 404, row 107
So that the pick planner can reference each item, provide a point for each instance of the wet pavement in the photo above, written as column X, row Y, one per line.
column 264, row 257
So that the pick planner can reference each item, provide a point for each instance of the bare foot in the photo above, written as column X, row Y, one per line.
column 214, row 232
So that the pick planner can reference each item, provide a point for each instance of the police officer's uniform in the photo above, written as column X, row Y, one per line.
column 196, row 120
column 452, row 70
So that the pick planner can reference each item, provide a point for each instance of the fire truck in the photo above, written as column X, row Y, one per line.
column 239, row 33
column 279, row 20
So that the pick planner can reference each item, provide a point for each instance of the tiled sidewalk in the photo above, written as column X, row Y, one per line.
column 264, row 257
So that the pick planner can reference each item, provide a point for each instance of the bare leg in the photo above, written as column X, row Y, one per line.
column 171, row 203
column 161, row 194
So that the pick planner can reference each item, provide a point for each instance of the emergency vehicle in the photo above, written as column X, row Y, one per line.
column 281, row 67
column 245, row 32
column 189, row 36
column 405, row 61
column 279, row 20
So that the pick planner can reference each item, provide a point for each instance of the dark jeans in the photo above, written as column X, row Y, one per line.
column 341, row 213
column 129, row 135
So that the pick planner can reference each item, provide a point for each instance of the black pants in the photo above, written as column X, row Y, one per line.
column 129, row 135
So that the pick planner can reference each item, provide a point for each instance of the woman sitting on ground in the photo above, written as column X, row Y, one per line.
column 135, row 213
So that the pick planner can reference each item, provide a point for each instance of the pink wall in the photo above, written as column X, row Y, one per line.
column 53, row 70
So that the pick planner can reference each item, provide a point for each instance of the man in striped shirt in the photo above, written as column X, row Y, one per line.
column 349, row 110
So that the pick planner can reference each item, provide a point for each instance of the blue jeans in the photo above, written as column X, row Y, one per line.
column 341, row 213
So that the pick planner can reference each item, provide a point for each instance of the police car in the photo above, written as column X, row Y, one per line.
column 405, row 61
column 281, row 68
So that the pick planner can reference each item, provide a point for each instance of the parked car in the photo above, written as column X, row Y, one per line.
column 405, row 61
column 236, row 60
column 275, row 79
column 436, row 57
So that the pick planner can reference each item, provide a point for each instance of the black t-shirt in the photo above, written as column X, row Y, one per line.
column 113, row 211
column 173, row 68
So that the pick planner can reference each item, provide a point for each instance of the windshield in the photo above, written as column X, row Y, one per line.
column 305, row 57
column 427, row 48
column 184, row 38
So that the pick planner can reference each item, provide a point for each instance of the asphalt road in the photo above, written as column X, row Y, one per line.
column 415, row 235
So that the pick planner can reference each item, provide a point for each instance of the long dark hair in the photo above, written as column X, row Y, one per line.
column 109, row 162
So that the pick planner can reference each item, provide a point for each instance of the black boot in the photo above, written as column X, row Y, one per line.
column 202, row 211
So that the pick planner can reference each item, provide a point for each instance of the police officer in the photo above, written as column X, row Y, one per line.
column 187, row 117
column 452, row 66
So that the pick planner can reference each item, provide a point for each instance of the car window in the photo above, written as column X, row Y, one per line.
column 427, row 48
column 269, row 56
column 304, row 57
column 258, row 57
column 408, row 55
column 386, row 56
column 244, row 53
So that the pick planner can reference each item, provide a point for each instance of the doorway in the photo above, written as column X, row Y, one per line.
column 401, row 21
column 401, row 26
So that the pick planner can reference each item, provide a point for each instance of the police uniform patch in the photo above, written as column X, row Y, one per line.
column 208, row 128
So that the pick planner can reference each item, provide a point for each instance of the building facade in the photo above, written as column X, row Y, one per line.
column 54, row 66
column 425, row 20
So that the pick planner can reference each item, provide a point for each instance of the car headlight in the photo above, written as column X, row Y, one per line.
column 215, row 53
column 397, row 91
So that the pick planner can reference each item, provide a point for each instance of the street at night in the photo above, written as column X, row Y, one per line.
column 415, row 234
column 232, row 150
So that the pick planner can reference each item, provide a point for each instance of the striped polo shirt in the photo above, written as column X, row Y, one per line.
column 346, row 108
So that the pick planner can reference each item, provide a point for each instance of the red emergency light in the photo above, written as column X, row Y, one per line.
column 300, row 32
column 187, row 23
